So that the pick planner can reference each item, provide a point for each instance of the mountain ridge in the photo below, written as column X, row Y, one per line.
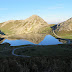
column 64, row 29
column 66, row 25
column 30, row 25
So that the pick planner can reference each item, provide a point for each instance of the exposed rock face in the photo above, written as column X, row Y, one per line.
column 30, row 25
column 65, row 26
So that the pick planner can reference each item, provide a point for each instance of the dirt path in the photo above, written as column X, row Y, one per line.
column 13, row 51
column 56, row 34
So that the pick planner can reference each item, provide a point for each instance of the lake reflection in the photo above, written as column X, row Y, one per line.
column 49, row 40
column 39, row 39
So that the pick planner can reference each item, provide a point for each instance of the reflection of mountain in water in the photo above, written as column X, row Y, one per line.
column 34, row 38
column 40, row 39
column 49, row 40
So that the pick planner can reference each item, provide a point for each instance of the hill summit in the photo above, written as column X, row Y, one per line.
column 31, row 25
column 65, row 26
column 64, row 29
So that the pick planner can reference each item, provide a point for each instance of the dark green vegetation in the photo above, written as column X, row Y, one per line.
column 51, row 58
column 36, row 64
column 50, row 50
column 36, row 50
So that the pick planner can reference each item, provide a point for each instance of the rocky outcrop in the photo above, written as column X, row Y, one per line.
column 65, row 26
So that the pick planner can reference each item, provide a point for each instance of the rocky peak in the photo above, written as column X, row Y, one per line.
column 30, row 25
column 66, row 25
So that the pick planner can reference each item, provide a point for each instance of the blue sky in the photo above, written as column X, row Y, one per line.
column 52, row 11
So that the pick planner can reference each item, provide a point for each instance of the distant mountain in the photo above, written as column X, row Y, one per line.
column 33, row 24
column 66, row 25
column 64, row 28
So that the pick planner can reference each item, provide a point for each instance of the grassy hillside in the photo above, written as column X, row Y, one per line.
column 64, row 29
column 64, row 34
column 46, row 30
column 8, row 27
column 31, row 25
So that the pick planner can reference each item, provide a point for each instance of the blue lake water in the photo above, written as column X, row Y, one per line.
column 48, row 40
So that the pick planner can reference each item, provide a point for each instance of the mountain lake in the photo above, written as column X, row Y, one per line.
column 36, row 40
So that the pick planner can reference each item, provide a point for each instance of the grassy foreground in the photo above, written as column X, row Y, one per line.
column 51, row 58
column 36, row 64
column 37, row 50
column 51, row 50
